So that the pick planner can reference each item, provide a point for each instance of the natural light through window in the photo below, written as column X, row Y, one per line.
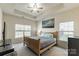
column 66, row 29
column 22, row 30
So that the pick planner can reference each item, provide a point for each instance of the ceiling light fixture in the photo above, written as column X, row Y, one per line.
column 35, row 7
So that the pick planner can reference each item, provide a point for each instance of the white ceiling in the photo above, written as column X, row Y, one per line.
column 21, row 9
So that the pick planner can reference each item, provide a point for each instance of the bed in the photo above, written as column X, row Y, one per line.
column 40, row 44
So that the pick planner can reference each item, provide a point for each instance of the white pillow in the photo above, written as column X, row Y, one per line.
column 49, row 35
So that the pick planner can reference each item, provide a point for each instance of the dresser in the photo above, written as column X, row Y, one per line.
column 73, row 46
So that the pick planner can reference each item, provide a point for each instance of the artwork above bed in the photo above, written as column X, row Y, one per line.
column 50, row 23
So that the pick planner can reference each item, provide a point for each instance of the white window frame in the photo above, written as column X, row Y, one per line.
column 22, row 30
column 64, row 34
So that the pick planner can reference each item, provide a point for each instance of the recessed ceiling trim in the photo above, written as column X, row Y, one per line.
column 17, row 11
column 13, row 14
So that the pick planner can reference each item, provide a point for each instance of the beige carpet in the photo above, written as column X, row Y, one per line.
column 54, row 51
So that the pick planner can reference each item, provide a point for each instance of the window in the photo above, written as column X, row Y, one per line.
column 66, row 30
column 21, row 30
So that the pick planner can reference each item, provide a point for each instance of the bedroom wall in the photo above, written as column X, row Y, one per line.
column 11, row 20
column 70, row 15
column 65, row 16
column 0, row 24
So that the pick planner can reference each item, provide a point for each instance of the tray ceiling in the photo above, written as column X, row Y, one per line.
column 22, row 9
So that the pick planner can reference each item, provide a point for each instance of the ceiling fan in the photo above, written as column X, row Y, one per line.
column 35, row 7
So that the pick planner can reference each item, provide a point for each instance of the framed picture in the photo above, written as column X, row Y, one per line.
column 50, row 23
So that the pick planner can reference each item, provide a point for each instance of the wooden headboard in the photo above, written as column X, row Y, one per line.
column 55, row 34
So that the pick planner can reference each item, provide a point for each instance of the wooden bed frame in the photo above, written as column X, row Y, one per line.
column 35, row 44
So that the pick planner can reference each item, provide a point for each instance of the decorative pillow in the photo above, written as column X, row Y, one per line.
column 46, row 35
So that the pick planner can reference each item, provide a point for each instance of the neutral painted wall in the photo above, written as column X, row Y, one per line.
column 0, row 24
column 11, row 20
column 70, row 15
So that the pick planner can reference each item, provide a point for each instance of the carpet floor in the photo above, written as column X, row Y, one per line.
column 54, row 51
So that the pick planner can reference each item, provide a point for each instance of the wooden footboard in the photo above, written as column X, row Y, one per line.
column 33, row 44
